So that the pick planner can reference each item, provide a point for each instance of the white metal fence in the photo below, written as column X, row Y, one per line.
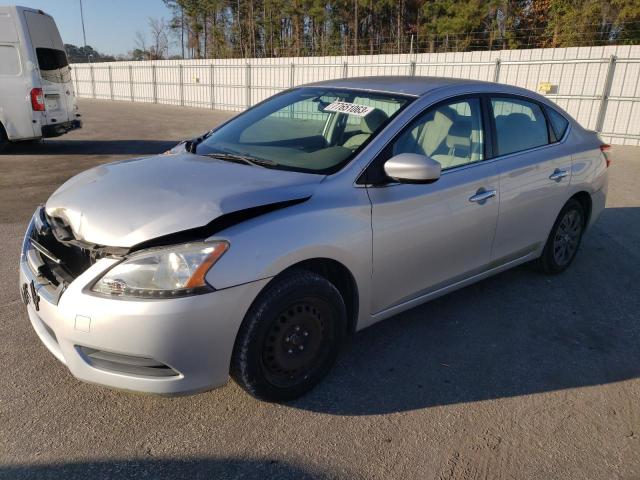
column 599, row 86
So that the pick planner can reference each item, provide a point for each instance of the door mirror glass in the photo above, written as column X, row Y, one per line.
column 412, row 168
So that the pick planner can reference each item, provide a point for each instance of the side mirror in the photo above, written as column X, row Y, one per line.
column 412, row 168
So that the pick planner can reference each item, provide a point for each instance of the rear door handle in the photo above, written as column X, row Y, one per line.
column 482, row 196
column 558, row 174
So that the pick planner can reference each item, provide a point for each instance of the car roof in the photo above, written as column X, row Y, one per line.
column 406, row 85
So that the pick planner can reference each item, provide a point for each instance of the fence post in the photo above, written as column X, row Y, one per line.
column 77, row 85
column 606, row 91
column 345, row 70
column 212, row 91
column 131, row 83
column 412, row 66
column 154, row 84
column 93, row 82
column 247, row 82
column 292, row 75
column 110, row 82
column 181, row 85
column 496, row 71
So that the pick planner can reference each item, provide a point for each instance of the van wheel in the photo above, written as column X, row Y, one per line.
column 4, row 141
column 564, row 239
column 290, row 337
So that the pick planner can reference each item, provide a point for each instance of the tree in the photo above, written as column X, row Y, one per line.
column 159, row 47
column 247, row 28
column 84, row 54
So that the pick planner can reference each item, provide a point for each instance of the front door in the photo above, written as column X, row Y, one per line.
column 430, row 235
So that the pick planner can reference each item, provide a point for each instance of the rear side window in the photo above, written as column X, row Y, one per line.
column 9, row 60
column 558, row 123
column 520, row 125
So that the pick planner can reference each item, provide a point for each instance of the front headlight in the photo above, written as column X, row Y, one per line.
column 165, row 273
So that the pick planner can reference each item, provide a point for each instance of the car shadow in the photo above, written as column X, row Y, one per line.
column 191, row 469
column 90, row 147
column 518, row 333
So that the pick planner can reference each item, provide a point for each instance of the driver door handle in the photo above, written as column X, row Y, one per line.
column 482, row 196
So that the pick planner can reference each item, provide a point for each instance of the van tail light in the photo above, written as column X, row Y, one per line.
column 37, row 100
column 606, row 153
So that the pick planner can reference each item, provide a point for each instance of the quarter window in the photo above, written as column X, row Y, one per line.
column 520, row 125
column 451, row 134
column 558, row 122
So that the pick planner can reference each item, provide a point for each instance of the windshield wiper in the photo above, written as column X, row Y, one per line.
column 247, row 160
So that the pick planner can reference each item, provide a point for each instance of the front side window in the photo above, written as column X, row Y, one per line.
column 451, row 134
column 53, row 64
column 314, row 130
column 520, row 125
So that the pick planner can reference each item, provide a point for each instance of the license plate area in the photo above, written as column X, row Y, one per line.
column 52, row 102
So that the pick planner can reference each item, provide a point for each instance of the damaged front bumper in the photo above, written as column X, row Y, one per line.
column 163, row 346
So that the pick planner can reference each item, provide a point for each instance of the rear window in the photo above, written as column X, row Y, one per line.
column 54, row 65
column 558, row 123
column 9, row 60
column 51, row 59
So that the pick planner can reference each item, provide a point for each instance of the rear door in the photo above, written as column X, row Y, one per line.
column 53, row 65
column 428, row 236
column 535, row 171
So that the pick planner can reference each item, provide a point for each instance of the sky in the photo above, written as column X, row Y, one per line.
column 110, row 25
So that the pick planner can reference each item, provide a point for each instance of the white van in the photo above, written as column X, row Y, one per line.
column 37, row 99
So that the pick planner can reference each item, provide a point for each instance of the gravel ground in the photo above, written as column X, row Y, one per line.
column 519, row 376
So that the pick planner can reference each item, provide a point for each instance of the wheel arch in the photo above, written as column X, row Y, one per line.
column 339, row 275
column 584, row 198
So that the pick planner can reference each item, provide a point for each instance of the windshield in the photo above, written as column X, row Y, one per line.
column 54, row 66
column 316, row 130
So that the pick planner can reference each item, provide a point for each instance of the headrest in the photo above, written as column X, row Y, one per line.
column 459, row 134
column 517, row 118
column 372, row 121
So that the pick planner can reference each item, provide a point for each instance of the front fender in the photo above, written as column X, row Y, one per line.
column 322, row 227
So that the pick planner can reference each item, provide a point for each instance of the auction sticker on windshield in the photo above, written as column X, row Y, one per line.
column 349, row 108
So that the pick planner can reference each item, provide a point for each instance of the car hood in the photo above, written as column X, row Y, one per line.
column 125, row 203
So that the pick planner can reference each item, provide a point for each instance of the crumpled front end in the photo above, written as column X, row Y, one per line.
column 164, row 346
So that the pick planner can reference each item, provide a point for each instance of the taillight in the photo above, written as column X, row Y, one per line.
column 37, row 99
column 606, row 151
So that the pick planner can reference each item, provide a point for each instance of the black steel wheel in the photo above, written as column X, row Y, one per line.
column 564, row 239
column 290, row 337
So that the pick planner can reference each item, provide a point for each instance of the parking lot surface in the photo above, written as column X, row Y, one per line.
column 519, row 376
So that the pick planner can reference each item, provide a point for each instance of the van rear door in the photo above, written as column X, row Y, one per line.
column 53, row 65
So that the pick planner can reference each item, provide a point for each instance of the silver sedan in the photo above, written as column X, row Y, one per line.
column 255, row 249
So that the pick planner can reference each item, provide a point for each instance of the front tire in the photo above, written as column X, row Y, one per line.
column 564, row 239
column 290, row 337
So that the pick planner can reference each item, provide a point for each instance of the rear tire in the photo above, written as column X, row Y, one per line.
column 4, row 141
column 290, row 337
column 564, row 240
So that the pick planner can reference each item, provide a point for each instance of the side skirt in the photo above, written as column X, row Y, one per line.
column 396, row 309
